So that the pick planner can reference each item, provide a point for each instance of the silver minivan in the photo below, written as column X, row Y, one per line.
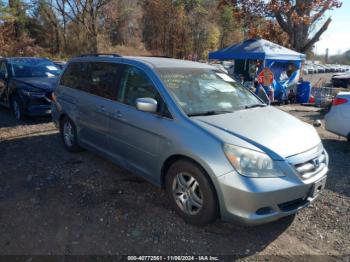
column 215, row 147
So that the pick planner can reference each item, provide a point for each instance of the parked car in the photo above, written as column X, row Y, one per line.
column 305, row 70
column 215, row 147
column 319, row 69
column 341, row 80
column 311, row 69
column 26, row 84
column 327, row 68
column 338, row 118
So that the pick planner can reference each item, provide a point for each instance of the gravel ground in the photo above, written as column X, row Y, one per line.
column 55, row 202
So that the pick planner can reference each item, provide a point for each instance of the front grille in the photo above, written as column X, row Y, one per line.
column 38, row 101
column 312, row 167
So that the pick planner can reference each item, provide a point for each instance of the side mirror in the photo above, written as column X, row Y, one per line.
column 147, row 104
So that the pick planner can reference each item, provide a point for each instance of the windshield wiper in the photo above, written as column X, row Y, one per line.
column 210, row 113
column 254, row 105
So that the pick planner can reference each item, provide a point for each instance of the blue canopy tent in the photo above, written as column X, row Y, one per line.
column 274, row 56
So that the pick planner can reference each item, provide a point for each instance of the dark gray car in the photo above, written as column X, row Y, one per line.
column 188, row 127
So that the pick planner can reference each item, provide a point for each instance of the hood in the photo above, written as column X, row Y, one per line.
column 44, row 83
column 271, row 130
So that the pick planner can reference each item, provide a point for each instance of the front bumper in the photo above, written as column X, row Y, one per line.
column 38, row 110
column 254, row 201
column 37, row 105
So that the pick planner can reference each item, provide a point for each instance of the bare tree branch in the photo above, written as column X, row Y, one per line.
column 316, row 37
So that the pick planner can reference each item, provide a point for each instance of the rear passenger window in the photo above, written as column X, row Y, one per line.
column 97, row 78
column 135, row 84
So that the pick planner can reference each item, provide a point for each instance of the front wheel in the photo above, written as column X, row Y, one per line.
column 17, row 108
column 191, row 193
column 69, row 135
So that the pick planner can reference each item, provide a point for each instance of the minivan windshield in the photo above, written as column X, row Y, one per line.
column 202, row 91
column 33, row 67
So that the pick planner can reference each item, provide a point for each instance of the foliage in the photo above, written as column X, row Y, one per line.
column 177, row 28
column 298, row 19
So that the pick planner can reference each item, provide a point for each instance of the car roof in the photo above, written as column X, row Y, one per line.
column 162, row 62
column 24, row 57
column 153, row 62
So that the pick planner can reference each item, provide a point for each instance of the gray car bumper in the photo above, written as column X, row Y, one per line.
column 254, row 201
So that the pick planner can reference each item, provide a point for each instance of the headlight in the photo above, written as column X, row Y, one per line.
column 251, row 163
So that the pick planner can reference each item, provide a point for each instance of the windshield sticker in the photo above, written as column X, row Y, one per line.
column 225, row 77
column 226, row 105
column 217, row 86
column 52, row 68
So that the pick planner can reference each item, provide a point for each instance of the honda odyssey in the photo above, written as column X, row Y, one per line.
column 215, row 147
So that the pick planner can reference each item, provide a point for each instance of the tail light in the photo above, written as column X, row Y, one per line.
column 312, row 100
column 339, row 101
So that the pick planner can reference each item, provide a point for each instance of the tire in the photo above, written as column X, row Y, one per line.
column 69, row 135
column 191, row 193
column 17, row 108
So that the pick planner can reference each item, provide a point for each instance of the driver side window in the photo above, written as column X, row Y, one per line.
column 135, row 84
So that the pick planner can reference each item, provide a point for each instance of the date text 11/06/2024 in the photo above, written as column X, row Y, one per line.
column 173, row 258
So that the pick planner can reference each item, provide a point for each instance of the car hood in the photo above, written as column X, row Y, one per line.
column 44, row 83
column 269, row 129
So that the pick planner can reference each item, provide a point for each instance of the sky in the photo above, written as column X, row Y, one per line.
column 337, row 36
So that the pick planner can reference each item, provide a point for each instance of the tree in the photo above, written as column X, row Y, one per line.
column 17, row 9
column 299, row 18
column 86, row 14
column 14, row 40
column 230, row 26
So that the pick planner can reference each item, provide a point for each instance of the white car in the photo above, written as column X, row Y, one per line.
column 338, row 119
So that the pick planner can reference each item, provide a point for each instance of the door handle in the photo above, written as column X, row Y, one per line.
column 101, row 109
column 118, row 115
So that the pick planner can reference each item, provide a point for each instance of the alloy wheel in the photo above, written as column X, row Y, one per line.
column 16, row 109
column 68, row 134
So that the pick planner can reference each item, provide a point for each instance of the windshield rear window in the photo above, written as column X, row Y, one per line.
column 198, row 91
column 33, row 67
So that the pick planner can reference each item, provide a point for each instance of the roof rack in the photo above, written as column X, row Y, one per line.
column 160, row 56
column 99, row 54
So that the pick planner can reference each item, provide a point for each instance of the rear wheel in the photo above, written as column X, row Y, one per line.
column 191, row 193
column 69, row 135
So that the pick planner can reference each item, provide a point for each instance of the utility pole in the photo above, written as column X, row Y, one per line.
column 326, row 56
